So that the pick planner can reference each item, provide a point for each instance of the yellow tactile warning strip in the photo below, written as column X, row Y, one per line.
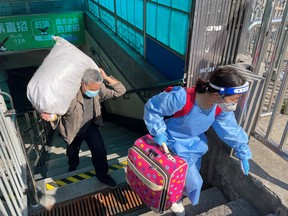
column 120, row 201
column 81, row 176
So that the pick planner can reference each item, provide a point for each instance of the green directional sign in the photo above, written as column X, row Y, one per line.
column 36, row 31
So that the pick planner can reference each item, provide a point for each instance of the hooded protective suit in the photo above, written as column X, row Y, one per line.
column 185, row 135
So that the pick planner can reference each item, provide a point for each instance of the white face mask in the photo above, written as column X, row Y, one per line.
column 227, row 107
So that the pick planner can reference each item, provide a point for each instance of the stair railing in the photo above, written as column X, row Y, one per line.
column 157, row 87
column 16, row 182
column 35, row 133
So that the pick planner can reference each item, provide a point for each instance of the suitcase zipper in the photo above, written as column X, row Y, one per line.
column 163, row 173
column 149, row 184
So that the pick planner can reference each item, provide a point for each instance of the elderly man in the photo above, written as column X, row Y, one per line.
column 81, row 121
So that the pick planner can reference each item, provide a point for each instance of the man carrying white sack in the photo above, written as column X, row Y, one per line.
column 81, row 121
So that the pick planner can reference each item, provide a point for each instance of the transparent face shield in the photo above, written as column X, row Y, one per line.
column 240, row 105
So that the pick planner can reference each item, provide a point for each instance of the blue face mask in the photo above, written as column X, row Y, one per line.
column 91, row 93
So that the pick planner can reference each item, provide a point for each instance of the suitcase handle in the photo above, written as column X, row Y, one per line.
column 169, row 156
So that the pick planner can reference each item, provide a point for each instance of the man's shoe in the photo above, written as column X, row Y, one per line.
column 178, row 209
column 110, row 182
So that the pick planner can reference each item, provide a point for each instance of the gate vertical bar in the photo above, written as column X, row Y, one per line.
column 284, row 137
column 279, row 53
column 244, row 38
column 263, row 38
column 278, row 102
column 282, row 39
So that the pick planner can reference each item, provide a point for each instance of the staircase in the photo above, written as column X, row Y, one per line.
column 57, row 185
column 117, row 140
column 212, row 203
column 80, row 193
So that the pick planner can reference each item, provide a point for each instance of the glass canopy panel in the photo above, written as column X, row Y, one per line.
column 131, row 36
column 108, row 19
column 151, row 17
column 93, row 8
column 165, row 2
column 121, row 9
column 168, row 25
column 139, row 14
column 109, row 4
column 163, row 24
column 11, row 8
column 182, row 5
column 132, row 12
column 179, row 33
column 176, row 4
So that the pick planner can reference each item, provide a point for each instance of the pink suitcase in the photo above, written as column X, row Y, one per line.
column 156, row 177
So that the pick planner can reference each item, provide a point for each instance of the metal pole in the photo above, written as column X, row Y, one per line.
column 144, row 28
column 263, row 38
column 188, row 72
column 284, row 137
column 279, row 52
column 278, row 102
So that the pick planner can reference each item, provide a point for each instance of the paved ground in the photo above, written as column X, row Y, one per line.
column 277, row 130
column 270, row 169
column 266, row 165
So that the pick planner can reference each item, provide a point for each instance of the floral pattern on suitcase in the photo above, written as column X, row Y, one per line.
column 175, row 174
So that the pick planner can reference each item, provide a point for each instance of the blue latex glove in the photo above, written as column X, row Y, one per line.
column 245, row 166
column 160, row 139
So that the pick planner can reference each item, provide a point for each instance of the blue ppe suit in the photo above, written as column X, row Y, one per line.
column 185, row 135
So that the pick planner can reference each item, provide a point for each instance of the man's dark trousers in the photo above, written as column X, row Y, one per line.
column 96, row 145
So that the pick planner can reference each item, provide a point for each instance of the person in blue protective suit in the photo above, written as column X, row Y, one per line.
column 185, row 135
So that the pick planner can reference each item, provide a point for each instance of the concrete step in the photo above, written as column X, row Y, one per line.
column 107, row 134
column 48, row 198
column 84, row 166
column 59, row 166
column 116, row 147
column 113, row 131
column 209, row 199
column 117, row 141
column 239, row 207
column 111, row 143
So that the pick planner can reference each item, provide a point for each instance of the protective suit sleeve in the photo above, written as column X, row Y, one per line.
column 232, row 134
column 161, row 105
column 161, row 138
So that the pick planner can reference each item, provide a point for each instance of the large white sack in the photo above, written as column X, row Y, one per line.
column 58, row 79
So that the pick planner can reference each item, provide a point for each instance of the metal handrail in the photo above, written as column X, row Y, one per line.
column 38, row 130
column 157, row 86
column 16, row 173
column 257, row 23
column 32, row 126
